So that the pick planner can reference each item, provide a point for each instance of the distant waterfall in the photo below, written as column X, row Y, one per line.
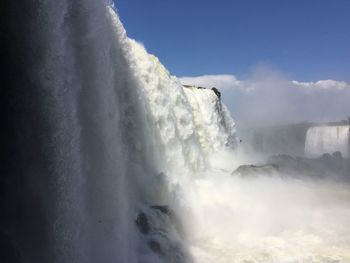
column 327, row 139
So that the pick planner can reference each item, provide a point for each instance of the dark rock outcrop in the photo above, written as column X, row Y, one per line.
column 155, row 247
column 256, row 170
column 192, row 86
column 142, row 223
column 162, row 208
column 326, row 166
column 217, row 92
column 158, row 226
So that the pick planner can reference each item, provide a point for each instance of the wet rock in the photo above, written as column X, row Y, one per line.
column 290, row 165
column 217, row 92
column 192, row 86
column 162, row 237
column 142, row 223
column 337, row 155
column 256, row 170
column 326, row 166
column 162, row 208
column 155, row 247
column 326, row 157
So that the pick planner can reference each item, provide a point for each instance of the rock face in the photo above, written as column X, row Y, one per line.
column 142, row 223
column 328, row 165
column 251, row 171
column 142, row 219
column 325, row 167
column 162, row 208
column 159, row 227
column 217, row 92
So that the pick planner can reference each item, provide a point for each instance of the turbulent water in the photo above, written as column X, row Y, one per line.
column 328, row 139
column 108, row 158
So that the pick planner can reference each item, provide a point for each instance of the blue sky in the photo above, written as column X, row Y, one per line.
column 307, row 40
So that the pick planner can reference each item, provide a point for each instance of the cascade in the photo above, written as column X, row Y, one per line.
column 327, row 139
column 106, row 138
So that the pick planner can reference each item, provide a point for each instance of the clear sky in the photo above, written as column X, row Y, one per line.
column 307, row 39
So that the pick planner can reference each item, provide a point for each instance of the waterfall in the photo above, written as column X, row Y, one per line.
column 107, row 158
column 327, row 139
column 103, row 139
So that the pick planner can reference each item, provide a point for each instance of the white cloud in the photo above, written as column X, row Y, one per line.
column 222, row 81
column 323, row 84
column 268, row 97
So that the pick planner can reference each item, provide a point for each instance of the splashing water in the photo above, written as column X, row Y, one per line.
column 230, row 219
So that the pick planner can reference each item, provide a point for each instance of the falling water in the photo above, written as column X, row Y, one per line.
column 328, row 139
column 108, row 158
column 105, row 134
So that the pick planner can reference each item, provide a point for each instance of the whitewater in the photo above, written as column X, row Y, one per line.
column 320, row 140
column 131, row 166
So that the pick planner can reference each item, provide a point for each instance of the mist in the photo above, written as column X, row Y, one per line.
column 269, row 219
column 269, row 96
column 287, row 198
